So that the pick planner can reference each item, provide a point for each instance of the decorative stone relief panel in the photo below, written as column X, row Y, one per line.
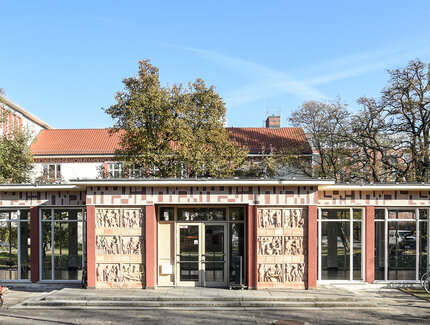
column 108, row 218
column 109, row 274
column 293, row 245
column 279, row 273
column 281, row 247
column 120, row 247
column 270, row 245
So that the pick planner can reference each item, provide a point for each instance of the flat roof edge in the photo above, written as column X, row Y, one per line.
column 34, row 187
column 372, row 187
column 187, row 182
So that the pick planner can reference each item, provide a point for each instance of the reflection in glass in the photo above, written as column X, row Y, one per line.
column 67, row 250
column 335, row 214
column 237, row 247
column 24, row 250
column 424, row 214
column 62, row 244
column 189, row 253
column 379, row 214
column 46, row 251
column 8, row 250
column 202, row 214
column 237, row 214
column 335, row 250
column 214, row 253
column 379, row 250
column 357, row 250
column 424, row 249
column 401, row 214
column 401, row 250
column 167, row 214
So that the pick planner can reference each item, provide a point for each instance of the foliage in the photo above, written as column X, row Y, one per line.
column 172, row 131
column 322, row 122
column 16, row 159
column 387, row 140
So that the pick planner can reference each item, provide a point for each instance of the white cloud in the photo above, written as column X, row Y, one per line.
column 264, row 82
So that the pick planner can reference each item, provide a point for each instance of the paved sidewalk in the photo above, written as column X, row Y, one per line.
column 396, row 307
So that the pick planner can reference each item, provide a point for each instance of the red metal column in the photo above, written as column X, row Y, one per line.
column 150, row 247
column 91, row 246
column 34, row 238
column 370, row 244
column 252, row 247
column 312, row 246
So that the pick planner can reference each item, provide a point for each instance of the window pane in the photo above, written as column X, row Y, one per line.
column 424, row 249
column 25, row 214
column 357, row 213
column 8, row 250
column 67, row 250
column 401, row 250
column 379, row 250
column 335, row 250
column 25, row 249
column 46, row 251
column 167, row 214
column 379, row 214
column 197, row 214
column 401, row 214
column 46, row 214
column 335, row 214
column 357, row 250
column 424, row 214
column 237, row 248
column 237, row 214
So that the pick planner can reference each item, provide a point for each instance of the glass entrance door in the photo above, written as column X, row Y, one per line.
column 201, row 258
column 214, row 256
column 188, row 258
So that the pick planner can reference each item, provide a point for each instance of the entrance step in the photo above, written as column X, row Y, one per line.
column 193, row 303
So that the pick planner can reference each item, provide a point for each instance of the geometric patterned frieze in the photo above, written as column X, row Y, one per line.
column 255, row 195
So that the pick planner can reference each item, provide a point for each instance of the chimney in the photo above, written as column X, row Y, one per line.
column 273, row 122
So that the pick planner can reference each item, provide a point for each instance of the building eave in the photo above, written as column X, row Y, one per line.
column 35, row 187
column 373, row 187
column 28, row 115
column 201, row 182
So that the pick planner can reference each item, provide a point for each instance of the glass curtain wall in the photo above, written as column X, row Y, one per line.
column 401, row 244
column 340, row 244
column 15, row 244
column 62, row 244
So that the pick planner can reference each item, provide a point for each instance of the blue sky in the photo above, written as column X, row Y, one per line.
column 64, row 61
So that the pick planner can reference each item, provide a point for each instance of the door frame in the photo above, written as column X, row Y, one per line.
column 178, row 281
column 201, row 259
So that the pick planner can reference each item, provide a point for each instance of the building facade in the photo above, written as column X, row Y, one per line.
column 147, row 233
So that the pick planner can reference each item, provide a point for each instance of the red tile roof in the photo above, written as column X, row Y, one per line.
column 99, row 141
column 257, row 139
column 75, row 142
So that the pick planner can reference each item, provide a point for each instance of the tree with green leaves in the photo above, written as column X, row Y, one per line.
column 172, row 131
column 16, row 159
column 323, row 122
